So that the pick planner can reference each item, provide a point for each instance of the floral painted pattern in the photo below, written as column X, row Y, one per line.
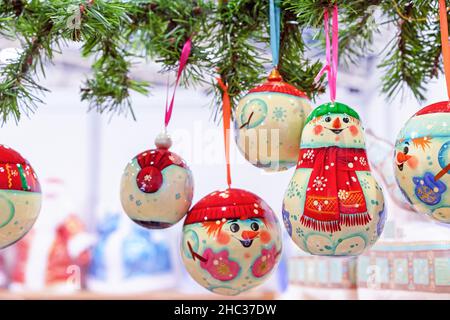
column 287, row 221
column 219, row 266
column 380, row 225
column 265, row 263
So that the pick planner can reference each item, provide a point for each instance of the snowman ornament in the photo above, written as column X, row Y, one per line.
column 231, row 241
column 333, row 205
column 157, row 186
column 422, row 161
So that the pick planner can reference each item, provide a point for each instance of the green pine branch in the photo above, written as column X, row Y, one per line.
column 230, row 40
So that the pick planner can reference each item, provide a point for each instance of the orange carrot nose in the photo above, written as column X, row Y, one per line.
column 249, row 235
column 337, row 123
column 402, row 158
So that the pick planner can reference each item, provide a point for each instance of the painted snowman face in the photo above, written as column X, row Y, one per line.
column 230, row 254
column 268, row 124
column 421, row 161
column 339, row 130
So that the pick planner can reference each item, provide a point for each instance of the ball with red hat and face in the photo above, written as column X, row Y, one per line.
column 20, row 196
column 269, row 122
column 157, row 187
column 422, row 161
column 231, row 241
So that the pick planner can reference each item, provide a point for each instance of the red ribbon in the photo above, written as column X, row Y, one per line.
column 226, row 107
column 183, row 61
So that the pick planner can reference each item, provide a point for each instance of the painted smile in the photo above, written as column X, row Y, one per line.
column 336, row 131
column 246, row 243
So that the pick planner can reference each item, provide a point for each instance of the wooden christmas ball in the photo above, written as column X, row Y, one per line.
column 20, row 196
column 157, row 187
column 268, row 124
column 333, row 204
column 422, row 161
column 231, row 241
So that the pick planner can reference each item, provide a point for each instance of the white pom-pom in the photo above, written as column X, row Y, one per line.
column 163, row 141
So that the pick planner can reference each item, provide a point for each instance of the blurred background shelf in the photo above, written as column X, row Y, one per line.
column 156, row 295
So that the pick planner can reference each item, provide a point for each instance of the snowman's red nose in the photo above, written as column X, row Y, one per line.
column 402, row 158
column 149, row 179
column 249, row 235
column 337, row 123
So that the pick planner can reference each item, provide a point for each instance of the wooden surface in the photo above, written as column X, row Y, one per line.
column 156, row 295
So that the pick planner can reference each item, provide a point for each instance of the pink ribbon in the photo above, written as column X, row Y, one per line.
column 331, row 66
column 183, row 61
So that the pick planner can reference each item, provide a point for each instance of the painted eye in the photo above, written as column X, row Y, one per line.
column 328, row 119
column 405, row 150
column 234, row 227
column 346, row 120
column 254, row 226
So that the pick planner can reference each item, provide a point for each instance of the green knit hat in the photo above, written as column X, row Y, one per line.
column 332, row 107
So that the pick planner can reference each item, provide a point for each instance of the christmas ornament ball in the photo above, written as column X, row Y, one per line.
column 422, row 161
column 231, row 241
column 20, row 196
column 333, row 205
column 157, row 187
column 268, row 123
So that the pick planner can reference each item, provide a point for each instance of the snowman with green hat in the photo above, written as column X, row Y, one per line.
column 333, row 205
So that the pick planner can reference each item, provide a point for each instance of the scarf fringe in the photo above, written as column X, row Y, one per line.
column 325, row 226
column 356, row 219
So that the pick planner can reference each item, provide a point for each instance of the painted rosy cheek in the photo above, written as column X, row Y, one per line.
column 223, row 238
column 265, row 236
column 318, row 129
column 413, row 162
column 354, row 130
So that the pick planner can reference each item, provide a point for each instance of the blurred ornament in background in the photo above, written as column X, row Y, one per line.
column 157, row 187
column 55, row 254
column 269, row 122
column 422, row 161
column 231, row 241
column 333, row 205
column 20, row 196
column 380, row 152
column 130, row 259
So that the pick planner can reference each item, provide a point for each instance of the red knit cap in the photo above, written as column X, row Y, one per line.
column 439, row 107
column 275, row 83
column 228, row 204
column 16, row 173
column 149, row 179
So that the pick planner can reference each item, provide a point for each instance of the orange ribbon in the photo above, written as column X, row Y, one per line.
column 226, row 109
column 445, row 43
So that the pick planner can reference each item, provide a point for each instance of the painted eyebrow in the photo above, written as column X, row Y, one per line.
column 232, row 220
column 407, row 143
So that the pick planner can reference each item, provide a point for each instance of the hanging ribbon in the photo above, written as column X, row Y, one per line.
column 331, row 67
column 445, row 43
column 183, row 61
column 226, row 107
column 275, row 14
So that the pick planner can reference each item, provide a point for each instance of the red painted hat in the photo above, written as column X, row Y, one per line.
column 439, row 107
column 275, row 83
column 16, row 173
column 228, row 204
column 152, row 162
